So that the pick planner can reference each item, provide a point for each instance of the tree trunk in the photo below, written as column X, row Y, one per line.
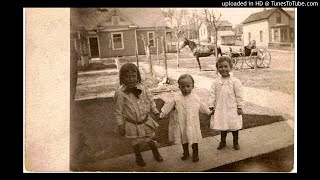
column 158, row 50
column 216, row 44
column 165, row 58
column 178, row 51
column 148, row 56
column 137, row 59
column 216, row 47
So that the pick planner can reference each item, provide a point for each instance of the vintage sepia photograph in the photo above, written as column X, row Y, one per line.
column 170, row 90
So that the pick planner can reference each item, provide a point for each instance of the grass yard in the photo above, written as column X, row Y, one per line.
column 266, row 78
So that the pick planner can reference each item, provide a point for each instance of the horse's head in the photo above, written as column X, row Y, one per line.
column 184, row 43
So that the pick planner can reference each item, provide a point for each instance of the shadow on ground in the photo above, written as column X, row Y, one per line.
column 93, row 137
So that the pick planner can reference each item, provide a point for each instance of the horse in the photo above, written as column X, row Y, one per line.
column 200, row 50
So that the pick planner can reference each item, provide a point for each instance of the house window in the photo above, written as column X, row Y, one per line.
column 278, row 16
column 115, row 20
column 261, row 36
column 283, row 34
column 117, row 41
column 151, row 38
column 276, row 35
column 249, row 37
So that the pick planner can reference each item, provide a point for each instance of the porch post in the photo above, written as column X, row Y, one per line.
column 137, row 55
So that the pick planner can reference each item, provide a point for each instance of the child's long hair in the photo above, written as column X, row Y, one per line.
column 126, row 68
column 224, row 58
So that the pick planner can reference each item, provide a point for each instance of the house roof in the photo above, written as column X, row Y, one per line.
column 291, row 13
column 89, row 18
column 223, row 23
column 265, row 14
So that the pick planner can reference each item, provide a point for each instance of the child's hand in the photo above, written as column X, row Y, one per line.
column 212, row 110
column 240, row 112
column 122, row 130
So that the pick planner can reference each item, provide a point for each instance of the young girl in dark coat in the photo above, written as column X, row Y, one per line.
column 133, row 107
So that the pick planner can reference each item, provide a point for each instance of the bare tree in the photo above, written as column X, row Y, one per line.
column 163, row 44
column 186, row 16
column 212, row 20
column 196, row 21
column 147, row 50
column 175, row 17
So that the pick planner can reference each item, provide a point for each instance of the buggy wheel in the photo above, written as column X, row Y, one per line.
column 266, row 58
column 247, row 60
column 255, row 54
column 238, row 61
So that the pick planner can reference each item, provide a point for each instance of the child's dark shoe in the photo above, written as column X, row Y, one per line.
column 195, row 153
column 158, row 158
column 185, row 151
column 155, row 151
column 195, row 158
column 140, row 161
column 184, row 156
column 221, row 145
column 236, row 146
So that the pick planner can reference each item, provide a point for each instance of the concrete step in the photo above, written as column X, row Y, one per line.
column 253, row 142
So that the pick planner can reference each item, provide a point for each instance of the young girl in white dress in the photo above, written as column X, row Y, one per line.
column 184, row 126
column 226, row 103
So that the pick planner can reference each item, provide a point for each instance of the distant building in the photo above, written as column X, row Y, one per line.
column 112, row 32
column 238, row 31
column 226, row 38
column 272, row 28
column 225, row 33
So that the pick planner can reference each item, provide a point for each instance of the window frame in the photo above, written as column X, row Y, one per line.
column 153, row 39
column 276, row 32
column 112, row 40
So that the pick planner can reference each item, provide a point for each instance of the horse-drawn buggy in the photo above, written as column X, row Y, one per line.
column 248, row 55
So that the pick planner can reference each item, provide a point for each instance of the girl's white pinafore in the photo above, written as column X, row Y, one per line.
column 226, row 96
